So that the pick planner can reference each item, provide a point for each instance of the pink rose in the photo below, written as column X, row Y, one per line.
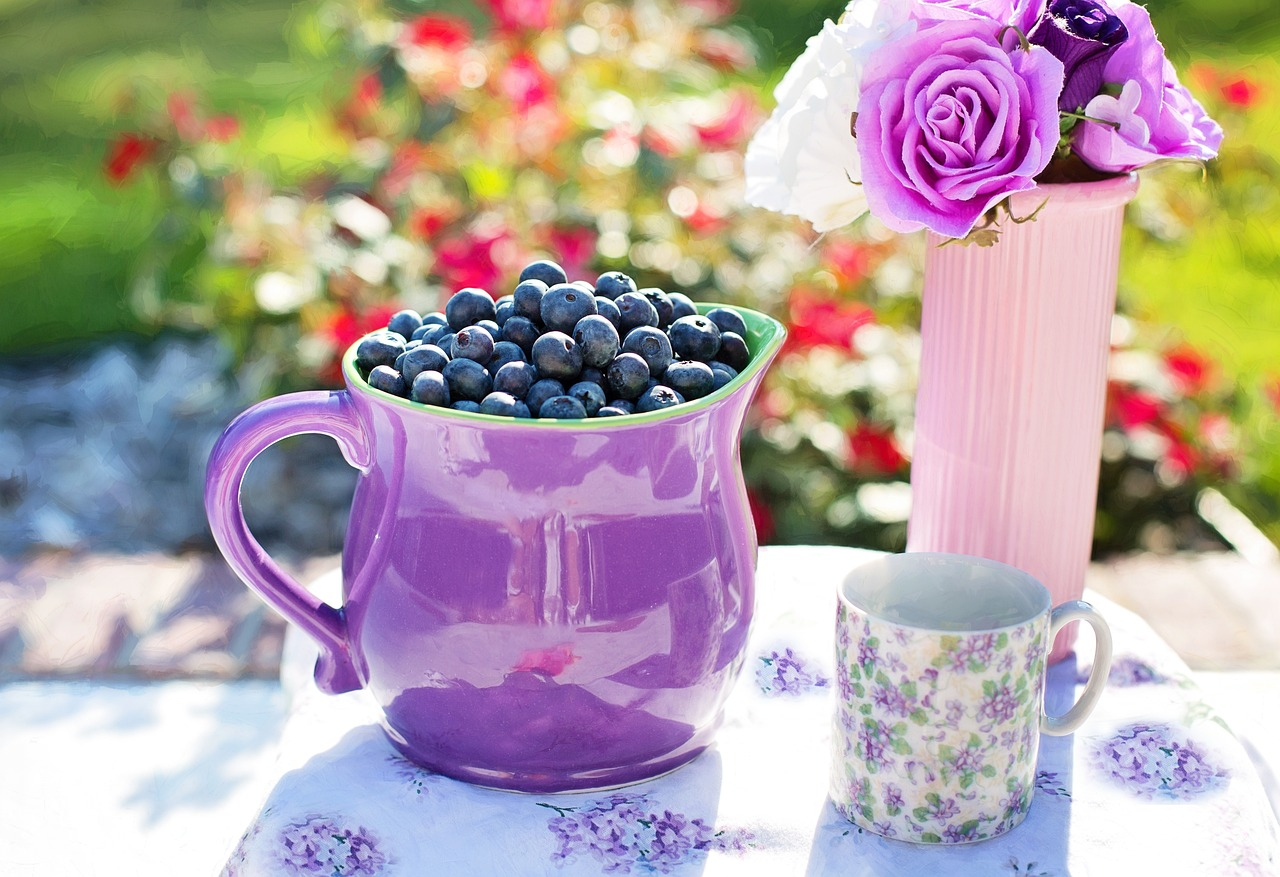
column 950, row 123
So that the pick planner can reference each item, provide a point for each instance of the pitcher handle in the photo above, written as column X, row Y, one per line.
column 1078, row 610
column 327, row 413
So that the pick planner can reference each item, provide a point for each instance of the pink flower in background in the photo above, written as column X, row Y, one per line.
column 1153, row 117
column 950, row 123
column 574, row 247
column 222, row 129
column 730, row 129
column 513, row 15
column 182, row 112
column 1189, row 369
column 1132, row 407
column 525, row 83
column 817, row 321
column 479, row 259
column 874, row 449
column 1240, row 91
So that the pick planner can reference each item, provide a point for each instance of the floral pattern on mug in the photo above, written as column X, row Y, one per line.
column 623, row 832
column 936, row 733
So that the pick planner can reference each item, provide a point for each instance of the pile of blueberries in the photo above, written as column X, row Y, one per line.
column 557, row 349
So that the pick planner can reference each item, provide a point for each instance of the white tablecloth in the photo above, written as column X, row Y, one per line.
column 1154, row 783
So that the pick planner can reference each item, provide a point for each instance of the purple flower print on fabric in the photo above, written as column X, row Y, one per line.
column 626, row 833
column 787, row 673
column 1157, row 761
column 416, row 779
column 1127, row 672
column 1050, row 783
column 321, row 846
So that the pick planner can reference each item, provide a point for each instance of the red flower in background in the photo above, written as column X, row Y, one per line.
column 438, row 31
column 182, row 112
column 346, row 327
column 512, row 15
column 731, row 129
column 724, row 51
column 525, row 83
column 1131, row 408
column 1189, row 370
column 761, row 517
column 818, row 321
column 848, row 260
column 426, row 224
column 222, row 129
column 874, row 450
column 479, row 259
column 1271, row 389
column 124, row 155
column 1240, row 91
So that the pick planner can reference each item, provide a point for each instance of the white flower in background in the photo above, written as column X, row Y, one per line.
column 803, row 160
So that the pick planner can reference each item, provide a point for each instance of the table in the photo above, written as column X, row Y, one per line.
column 1154, row 782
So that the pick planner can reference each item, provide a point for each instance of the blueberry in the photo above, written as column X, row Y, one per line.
column 503, row 353
column 611, row 411
column 564, row 305
column 661, row 303
column 612, row 284
column 563, row 408
column 622, row 405
column 733, row 351
column 545, row 270
column 380, row 348
column 466, row 405
column 445, row 341
column 473, row 342
column 467, row 379
column 522, row 410
column 422, row 330
column 653, row 345
column 590, row 395
column 657, row 398
column 432, row 333
column 430, row 388
column 695, row 338
column 690, row 378
column 681, row 305
column 598, row 339
column 388, row 380
column 607, row 309
column 499, row 405
column 467, row 307
column 728, row 320
column 504, row 310
column 628, row 376
column 527, row 299
column 634, row 310
column 556, row 355
column 490, row 326
column 435, row 318
column 515, row 378
column 540, row 392
column 421, row 359
column 521, row 331
column 595, row 376
column 412, row 343
column 405, row 323
column 722, row 373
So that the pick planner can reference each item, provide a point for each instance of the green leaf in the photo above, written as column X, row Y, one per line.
column 908, row 689
column 988, row 688
column 1002, row 640
column 930, row 838
column 920, row 813
column 882, row 679
column 920, row 717
column 901, row 746
column 966, row 779
column 974, row 741
column 988, row 770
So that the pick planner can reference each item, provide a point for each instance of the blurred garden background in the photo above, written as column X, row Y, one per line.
column 205, row 202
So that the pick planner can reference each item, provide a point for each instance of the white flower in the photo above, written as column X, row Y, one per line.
column 803, row 160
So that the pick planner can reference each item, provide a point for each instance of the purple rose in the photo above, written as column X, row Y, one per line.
column 950, row 123
column 1153, row 117
column 1082, row 35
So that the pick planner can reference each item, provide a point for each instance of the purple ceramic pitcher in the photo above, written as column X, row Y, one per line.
column 536, row 605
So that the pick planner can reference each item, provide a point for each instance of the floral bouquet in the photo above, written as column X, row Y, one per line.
column 932, row 113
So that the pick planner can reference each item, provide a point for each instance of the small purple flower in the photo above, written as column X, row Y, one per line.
column 968, row 759
column 844, row 683
column 955, row 711
column 943, row 808
column 885, row 829
column 874, row 750
column 892, row 797
column 1035, row 651
column 998, row 705
column 1082, row 35
column 868, row 652
column 954, row 834
column 891, row 699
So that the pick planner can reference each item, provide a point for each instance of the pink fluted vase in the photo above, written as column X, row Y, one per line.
column 1013, row 378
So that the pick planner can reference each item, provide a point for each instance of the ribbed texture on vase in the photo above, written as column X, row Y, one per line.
column 1009, row 412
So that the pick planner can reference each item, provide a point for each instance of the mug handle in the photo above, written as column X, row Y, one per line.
column 1078, row 610
column 327, row 413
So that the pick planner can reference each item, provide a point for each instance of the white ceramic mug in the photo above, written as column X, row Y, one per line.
column 940, row 663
